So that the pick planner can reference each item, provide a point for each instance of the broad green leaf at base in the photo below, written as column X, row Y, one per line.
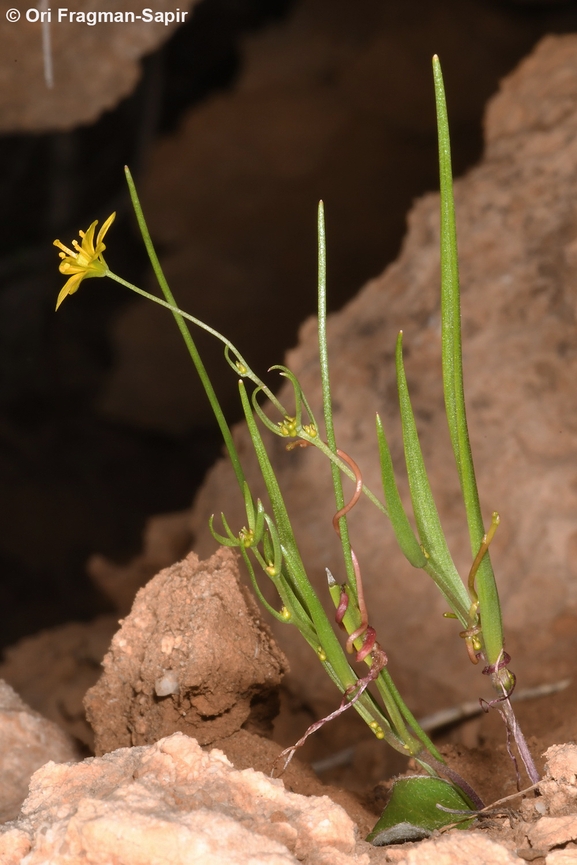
column 412, row 814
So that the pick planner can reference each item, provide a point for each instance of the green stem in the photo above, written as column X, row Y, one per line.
column 179, row 318
column 385, row 682
column 326, row 391
column 200, row 368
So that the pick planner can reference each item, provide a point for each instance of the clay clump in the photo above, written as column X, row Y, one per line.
column 193, row 656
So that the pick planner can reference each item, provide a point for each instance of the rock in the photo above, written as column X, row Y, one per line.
column 454, row 849
column 518, row 259
column 249, row 751
column 562, row 763
column 27, row 741
column 94, row 66
column 192, row 655
column 53, row 670
column 562, row 857
column 552, row 816
column 559, row 784
column 173, row 802
column 551, row 832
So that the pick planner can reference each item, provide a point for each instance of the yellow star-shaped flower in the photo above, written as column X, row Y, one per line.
column 85, row 260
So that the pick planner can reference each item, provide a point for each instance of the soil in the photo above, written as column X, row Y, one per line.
column 193, row 655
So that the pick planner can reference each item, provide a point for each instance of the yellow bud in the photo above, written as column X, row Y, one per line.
column 288, row 427
column 377, row 730
column 246, row 537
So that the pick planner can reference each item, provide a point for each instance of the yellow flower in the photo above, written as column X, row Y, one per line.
column 85, row 260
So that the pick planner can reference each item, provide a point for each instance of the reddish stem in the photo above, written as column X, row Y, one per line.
column 358, row 579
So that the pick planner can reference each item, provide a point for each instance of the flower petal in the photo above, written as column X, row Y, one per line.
column 70, row 286
column 105, row 226
column 88, row 239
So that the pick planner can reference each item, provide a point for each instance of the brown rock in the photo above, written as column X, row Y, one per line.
column 249, row 751
column 193, row 655
column 27, row 741
column 562, row 763
column 518, row 242
column 551, row 832
column 562, row 857
column 53, row 670
column 94, row 66
column 559, row 784
column 172, row 802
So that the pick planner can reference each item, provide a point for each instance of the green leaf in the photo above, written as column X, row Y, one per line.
column 231, row 541
column 249, row 506
column 314, row 609
column 327, row 400
column 412, row 813
column 453, row 385
column 440, row 565
column 399, row 520
column 256, row 586
column 188, row 340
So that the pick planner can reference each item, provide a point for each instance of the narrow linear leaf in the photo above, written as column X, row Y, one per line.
column 440, row 563
column 256, row 587
column 335, row 663
column 453, row 384
column 400, row 522
column 389, row 691
column 326, row 391
column 182, row 326
column 314, row 608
